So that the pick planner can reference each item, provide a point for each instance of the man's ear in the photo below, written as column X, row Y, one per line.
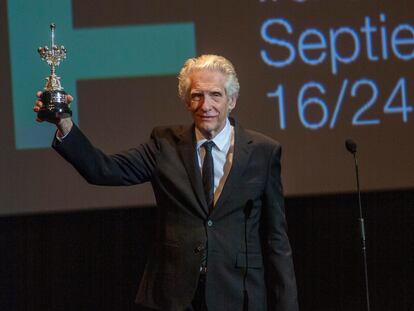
column 232, row 102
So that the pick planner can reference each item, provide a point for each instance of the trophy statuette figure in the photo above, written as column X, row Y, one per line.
column 54, row 98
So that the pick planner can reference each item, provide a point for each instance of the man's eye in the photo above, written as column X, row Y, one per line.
column 196, row 96
column 216, row 94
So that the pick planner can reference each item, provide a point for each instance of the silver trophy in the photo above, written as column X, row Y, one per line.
column 54, row 98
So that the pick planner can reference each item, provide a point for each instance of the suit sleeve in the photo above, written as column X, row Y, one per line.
column 131, row 167
column 280, row 275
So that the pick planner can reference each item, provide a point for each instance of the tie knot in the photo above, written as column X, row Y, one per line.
column 208, row 145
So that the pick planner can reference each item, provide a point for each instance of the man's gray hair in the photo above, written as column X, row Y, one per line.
column 209, row 62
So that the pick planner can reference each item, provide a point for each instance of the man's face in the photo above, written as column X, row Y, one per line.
column 208, row 102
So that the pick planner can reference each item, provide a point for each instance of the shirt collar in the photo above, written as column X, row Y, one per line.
column 221, row 138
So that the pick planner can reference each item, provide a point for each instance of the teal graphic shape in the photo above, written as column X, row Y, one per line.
column 93, row 53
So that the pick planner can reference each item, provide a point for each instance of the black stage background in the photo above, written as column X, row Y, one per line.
column 93, row 260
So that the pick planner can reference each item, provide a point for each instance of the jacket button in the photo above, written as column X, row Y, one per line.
column 209, row 223
column 198, row 249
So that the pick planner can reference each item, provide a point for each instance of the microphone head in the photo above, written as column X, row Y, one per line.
column 351, row 146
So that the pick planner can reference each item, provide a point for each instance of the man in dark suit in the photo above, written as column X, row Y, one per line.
column 221, row 229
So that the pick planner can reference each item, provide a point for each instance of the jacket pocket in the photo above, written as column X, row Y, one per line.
column 254, row 261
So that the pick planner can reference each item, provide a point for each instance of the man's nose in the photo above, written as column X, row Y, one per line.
column 206, row 103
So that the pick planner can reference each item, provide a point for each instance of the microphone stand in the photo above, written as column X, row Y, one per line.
column 362, row 230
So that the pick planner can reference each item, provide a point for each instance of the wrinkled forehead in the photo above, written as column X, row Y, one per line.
column 207, row 80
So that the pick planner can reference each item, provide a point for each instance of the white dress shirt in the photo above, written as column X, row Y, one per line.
column 222, row 152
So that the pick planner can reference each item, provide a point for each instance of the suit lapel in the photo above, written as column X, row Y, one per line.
column 187, row 151
column 241, row 157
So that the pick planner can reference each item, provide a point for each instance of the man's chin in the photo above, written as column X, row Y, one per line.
column 206, row 129
column 207, row 125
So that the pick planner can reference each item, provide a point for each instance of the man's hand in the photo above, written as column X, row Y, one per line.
column 64, row 125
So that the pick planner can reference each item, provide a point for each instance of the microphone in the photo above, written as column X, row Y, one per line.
column 351, row 146
column 247, row 211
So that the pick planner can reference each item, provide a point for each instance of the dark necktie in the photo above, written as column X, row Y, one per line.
column 208, row 174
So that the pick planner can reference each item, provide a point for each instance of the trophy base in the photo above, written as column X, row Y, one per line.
column 55, row 106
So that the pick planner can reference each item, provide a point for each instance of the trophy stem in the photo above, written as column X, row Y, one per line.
column 52, row 70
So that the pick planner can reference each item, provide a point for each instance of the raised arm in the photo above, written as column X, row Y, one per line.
column 133, row 166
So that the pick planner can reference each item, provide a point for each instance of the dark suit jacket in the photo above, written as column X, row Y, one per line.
column 185, row 229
